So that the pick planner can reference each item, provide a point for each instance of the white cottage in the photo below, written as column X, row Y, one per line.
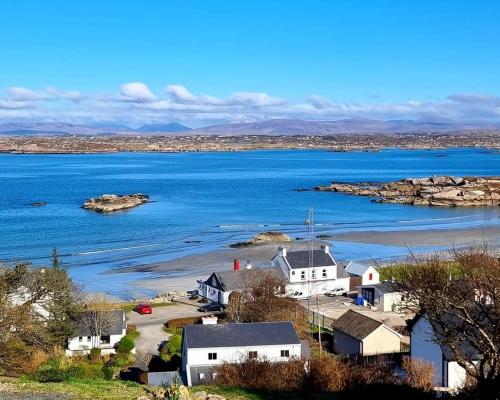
column 427, row 345
column 366, row 273
column 310, row 273
column 204, row 347
column 84, row 340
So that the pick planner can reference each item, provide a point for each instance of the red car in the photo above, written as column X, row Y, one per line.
column 143, row 309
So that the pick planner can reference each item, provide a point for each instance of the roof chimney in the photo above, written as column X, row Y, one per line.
column 249, row 265
column 326, row 248
column 282, row 251
column 236, row 264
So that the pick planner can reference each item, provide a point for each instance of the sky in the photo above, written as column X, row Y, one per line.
column 215, row 61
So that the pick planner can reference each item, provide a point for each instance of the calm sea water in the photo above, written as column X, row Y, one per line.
column 203, row 201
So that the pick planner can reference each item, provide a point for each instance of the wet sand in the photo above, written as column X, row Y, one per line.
column 437, row 237
column 182, row 273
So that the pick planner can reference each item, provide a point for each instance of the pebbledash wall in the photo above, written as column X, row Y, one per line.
column 76, row 346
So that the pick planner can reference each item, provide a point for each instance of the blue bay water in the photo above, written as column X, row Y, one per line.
column 205, row 201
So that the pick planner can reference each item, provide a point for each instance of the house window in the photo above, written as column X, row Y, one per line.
column 324, row 273
column 285, row 353
column 252, row 355
column 313, row 274
column 89, row 338
column 293, row 272
column 303, row 275
column 370, row 276
column 106, row 339
column 212, row 356
column 80, row 339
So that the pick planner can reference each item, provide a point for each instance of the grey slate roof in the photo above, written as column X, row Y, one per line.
column 118, row 323
column 300, row 259
column 357, row 325
column 383, row 287
column 240, row 334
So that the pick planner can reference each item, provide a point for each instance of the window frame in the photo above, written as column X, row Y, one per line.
column 285, row 353
column 212, row 356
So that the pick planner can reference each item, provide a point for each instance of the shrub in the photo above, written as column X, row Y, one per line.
column 180, row 322
column 329, row 375
column 418, row 374
column 174, row 345
column 51, row 371
column 126, row 345
column 262, row 375
column 94, row 354
column 108, row 372
column 119, row 360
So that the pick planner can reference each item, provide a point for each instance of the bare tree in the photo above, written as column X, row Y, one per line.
column 97, row 317
column 461, row 298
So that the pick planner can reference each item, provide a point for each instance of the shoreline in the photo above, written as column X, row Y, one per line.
column 182, row 273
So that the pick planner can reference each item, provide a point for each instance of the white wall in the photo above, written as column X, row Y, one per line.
column 424, row 348
column 84, row 346
column 365, row 278
column 456, row 375
column 198, row 357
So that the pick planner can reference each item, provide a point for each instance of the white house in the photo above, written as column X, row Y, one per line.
column 40, row 308
column 384, row 295
column 367, row 274
column 428, row 345
column 204, row 347
column 310, row 273
column 84, row 340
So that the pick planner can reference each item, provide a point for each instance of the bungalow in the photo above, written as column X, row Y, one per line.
column 428, row 344
column 219, row 285
column 85, row 339
column 204, row 347
column 384, row 295
column 363, row 274
column 309, row 273
column 358, row 334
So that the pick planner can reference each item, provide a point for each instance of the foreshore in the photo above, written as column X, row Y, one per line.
column 182, row 273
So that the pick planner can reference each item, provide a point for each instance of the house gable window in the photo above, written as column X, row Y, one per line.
column 252, row 355
column 285, row 353
column 293, row 272
column 303, row 275
column 324, row 273
column 370, row 276
column 212, row 356
column 313, row 274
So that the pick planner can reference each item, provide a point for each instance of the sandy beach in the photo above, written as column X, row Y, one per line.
column 182, row 273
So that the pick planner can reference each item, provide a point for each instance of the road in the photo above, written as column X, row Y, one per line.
column 151, row 326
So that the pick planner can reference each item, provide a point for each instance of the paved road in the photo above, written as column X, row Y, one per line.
column 151, row 326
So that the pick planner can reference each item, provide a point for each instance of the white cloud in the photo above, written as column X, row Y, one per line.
column 137, row 92
column 136, row 103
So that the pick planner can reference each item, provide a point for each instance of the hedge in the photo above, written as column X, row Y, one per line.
column 181, row 322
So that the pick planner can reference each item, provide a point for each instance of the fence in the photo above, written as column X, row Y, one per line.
column 320, row 320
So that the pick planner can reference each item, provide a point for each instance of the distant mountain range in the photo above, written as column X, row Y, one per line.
column 272, row 127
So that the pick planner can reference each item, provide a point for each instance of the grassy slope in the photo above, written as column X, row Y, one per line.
column 84, row 389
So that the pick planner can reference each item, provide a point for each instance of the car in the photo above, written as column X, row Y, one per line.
column 143, row 309
column 211, row 307
column 295, row 295
column 336, row 292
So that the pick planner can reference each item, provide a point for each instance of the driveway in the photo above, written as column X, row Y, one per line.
column 151, row 326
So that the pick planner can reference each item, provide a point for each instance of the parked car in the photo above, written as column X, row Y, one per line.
column 211, row 307
column 143, row 309
column 336, row 292
column 295, row 295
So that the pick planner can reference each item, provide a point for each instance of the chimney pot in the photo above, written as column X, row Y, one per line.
column 282, row 251
column 236, row 264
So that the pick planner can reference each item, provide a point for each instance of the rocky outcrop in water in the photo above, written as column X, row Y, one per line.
column 444, row 191
column 112, row 202
column 264, row 237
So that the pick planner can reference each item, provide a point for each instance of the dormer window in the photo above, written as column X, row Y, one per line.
column 324, row 273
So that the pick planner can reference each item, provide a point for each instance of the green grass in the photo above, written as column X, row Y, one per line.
column 80, row 389
column 246, row 394
column 129, row 307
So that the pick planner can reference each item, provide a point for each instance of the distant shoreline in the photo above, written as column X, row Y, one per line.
column 196, row 143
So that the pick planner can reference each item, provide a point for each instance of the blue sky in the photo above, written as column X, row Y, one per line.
column 213, row 61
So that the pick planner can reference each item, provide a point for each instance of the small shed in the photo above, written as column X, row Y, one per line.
column 367, row 273
column 358, row 334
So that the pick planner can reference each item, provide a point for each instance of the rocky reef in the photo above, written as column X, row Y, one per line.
column 112, row 202
column 264, row 237
column 443, row 191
